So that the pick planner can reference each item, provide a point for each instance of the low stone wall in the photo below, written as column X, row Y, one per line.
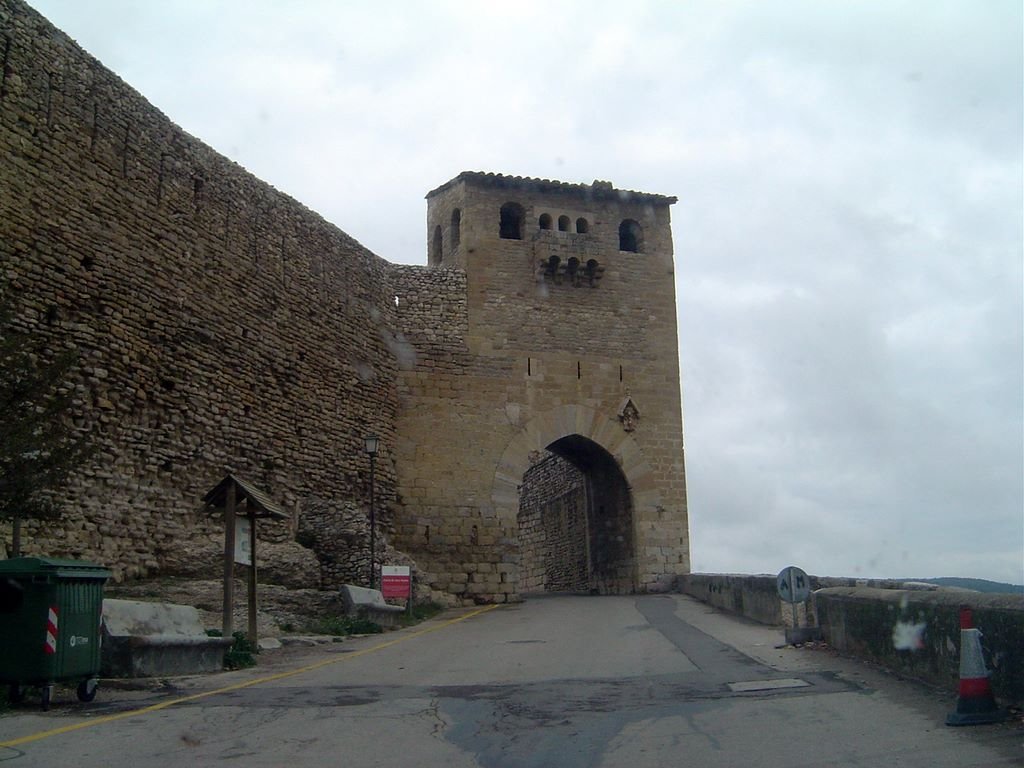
column 918, row 633
column 902, row 627
column 752, row 596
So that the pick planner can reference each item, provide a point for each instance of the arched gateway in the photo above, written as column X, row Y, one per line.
column 538, row 440
column 568, row 478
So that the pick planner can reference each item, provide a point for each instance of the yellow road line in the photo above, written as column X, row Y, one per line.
column 238, row 686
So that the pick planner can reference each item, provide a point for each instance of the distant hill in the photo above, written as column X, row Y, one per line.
column 978, row 585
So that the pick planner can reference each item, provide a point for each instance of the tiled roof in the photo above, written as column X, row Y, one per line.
column 599, row 190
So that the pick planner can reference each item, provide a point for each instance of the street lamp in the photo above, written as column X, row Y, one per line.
column 371, row 443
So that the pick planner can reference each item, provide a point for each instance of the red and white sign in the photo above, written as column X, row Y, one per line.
column 50, row 644
column 395, row 581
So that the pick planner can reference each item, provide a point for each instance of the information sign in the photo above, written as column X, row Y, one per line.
column 395, row 582
column 243, row 550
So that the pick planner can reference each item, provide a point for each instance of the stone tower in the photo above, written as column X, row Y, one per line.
column 539, row 435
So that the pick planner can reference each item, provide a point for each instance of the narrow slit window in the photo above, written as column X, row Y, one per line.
column 435, row 246
column 456, row 230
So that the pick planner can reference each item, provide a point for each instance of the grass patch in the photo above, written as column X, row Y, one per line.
column 345, row 625
column 421, row 612
column 350, row 625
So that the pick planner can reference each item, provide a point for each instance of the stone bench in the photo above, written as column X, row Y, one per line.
column 143, row 639
column 369, row 604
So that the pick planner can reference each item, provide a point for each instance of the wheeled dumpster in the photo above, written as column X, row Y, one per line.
column 50, row 625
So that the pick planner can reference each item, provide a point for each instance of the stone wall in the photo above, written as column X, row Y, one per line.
column 219, row 323
column 918, row 633
column 755, row 597
column 553, row 528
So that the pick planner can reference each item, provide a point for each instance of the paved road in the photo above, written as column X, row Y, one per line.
column 555, row 681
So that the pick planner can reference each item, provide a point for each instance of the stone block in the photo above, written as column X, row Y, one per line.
column 143, row 639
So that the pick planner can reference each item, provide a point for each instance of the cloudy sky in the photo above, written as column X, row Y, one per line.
column 848, row 234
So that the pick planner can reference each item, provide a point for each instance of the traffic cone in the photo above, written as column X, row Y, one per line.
column 975, row 704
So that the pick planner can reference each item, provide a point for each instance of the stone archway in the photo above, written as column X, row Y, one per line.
column 575, row 522
column 613, row 482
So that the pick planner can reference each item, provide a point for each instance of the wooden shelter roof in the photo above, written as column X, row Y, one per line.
column 258, row 502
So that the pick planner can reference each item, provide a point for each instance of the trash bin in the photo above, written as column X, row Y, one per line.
column 50, row 614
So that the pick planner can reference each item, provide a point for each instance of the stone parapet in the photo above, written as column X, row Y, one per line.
column 907, row 627
column 917, row 633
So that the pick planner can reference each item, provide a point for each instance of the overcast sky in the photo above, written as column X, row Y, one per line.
column 848, row 234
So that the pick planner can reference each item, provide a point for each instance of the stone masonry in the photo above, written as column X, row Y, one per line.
column 561, row 340
column 553, row 528
column 222, row 326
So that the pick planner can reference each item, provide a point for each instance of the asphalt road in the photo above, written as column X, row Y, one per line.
column 555, row 681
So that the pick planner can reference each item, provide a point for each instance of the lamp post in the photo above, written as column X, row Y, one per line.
column 372, row 442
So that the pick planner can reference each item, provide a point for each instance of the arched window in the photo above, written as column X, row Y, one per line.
column 456, row 233
column 552, row 268
column 435, row 246
column 545, row 221
column 631, row 236
column 572, row 269
column 511, row 225
column 563, row 223
column 582, row 225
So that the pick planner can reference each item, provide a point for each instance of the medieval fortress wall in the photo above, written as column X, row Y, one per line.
column 220, row 323
column 223, row 326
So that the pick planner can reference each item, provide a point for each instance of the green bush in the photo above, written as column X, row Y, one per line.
column 241, row 654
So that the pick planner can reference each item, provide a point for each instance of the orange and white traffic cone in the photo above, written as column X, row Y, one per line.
column 975, row 704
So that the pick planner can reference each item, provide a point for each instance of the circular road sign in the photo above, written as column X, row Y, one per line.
column 793, row 584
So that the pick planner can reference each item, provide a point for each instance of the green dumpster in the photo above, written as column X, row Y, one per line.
column 50, row 614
